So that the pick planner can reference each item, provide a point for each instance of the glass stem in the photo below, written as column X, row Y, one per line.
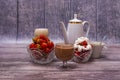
column 63, row 63
column 66, row 63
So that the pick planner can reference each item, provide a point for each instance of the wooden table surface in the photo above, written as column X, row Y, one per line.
column 15, row 64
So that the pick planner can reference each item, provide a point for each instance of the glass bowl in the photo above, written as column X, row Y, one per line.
column 40, row 57
column 83, row 57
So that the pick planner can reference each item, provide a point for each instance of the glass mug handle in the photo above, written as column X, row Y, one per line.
column 88, row 28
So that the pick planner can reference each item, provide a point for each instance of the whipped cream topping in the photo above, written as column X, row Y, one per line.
column 82, row 47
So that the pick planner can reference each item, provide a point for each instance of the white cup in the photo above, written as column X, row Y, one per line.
column 97, row 49
column 41, row 31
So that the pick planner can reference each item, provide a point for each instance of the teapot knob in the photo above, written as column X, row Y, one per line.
column 75, row 16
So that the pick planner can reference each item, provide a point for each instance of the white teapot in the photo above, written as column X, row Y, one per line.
column 75, row 30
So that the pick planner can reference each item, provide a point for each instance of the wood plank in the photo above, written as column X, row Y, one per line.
column 27, row 70
column 28, row 66
column 23, row 56
column 86, row 10
column 56, row 11
column 61, row 75
column 14, row 54
column 18, row 52
column 31, row 16
column 8, row 21
column 113, row 19
column 108, row 20
column 102, row 28
column 15, row 45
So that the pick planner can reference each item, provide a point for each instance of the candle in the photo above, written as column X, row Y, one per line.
column 41, row 31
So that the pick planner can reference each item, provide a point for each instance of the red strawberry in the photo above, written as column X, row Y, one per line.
column 32, row 46
column 43, row 45
column 85, row 46
column 43, row 37
column 83, row 43
column 76, row 49
column 77, row 53
column 42, row 41
column 50, row 44
column 47, row 50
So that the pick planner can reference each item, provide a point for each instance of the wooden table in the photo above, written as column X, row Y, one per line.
column 15, row 64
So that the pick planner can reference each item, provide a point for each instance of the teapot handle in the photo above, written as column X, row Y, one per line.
column 88, row 29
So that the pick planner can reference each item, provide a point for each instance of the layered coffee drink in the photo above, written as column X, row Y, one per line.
column 64, row 52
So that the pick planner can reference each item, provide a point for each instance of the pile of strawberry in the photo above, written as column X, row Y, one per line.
column 43, row 46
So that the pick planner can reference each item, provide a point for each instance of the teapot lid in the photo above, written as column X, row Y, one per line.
column 75, row 19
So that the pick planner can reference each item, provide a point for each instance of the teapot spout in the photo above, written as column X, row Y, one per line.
column 64, row 31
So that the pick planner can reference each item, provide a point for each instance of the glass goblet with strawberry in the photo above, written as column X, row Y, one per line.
column 83, row 50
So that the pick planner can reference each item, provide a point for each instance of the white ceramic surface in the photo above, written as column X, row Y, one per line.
column 97, row 49
column 74, row 30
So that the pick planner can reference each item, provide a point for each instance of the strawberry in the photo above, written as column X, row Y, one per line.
column 83, row 43
column 42, row 41
column 43, row 37
column 77, row 53
column 47, row 50
column 32, row 46
column 85, row 46
column 76, row 49
column 43, row 45
column 50, row 44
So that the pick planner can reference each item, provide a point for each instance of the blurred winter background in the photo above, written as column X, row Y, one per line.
column 19, row 18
